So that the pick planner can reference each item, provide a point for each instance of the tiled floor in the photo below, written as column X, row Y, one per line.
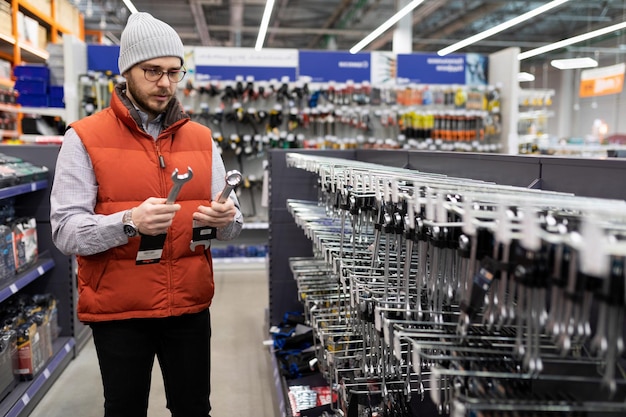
column 242, row 380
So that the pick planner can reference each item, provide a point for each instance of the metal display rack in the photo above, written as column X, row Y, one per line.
column 584, row 178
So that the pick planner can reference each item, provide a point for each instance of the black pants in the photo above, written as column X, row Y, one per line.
column 126, row 351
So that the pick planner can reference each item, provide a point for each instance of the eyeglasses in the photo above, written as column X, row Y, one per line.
column 155, row 74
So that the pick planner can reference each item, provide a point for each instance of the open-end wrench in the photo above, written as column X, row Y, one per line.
column 151, row 247
column 202, row 235
column 178, row 181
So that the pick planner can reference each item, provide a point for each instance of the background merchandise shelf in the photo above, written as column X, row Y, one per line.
column 22, row 400
column 54, row 273
column 40, row 22
column 11, row 287
column 23, row 189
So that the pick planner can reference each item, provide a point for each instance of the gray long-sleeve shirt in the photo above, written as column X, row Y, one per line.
column 76, row 228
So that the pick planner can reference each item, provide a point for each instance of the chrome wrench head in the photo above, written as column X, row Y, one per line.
column 201, row 237
column 178, row 181
column 233, row 179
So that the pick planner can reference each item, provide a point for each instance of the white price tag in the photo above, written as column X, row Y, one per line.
column 394, row 191
column 417, row 363
column 435, row 386
column 441, row 213
column 33, row 186
column 377, row 319
column 46, row 373
column 40, row 270
column 397, row 348
column 430, row 209
column 13, row 288
column 386, row 332
column 67, row 348
column 25, row 399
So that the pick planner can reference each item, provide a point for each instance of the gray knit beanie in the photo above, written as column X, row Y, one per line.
column 145, row 37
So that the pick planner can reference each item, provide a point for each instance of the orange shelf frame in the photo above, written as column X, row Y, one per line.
column 48, row 19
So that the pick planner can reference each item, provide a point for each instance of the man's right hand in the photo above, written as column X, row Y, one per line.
column 153, row 216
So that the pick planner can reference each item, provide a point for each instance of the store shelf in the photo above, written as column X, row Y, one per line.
column 43, row 111
column 535, row 114
column 241, row 260
column 15, row 190
column 9, row 133
column 43, row 265
column 42, row 139
column 10, row 108
column 20, row 401
column 256, row 226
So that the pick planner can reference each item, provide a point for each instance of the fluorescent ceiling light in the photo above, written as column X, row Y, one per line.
column 265, row 21
column 385, row 26
column 501, row 27
column 573, row 63
column 566, row 42
column 130, row 6
column 524, row 77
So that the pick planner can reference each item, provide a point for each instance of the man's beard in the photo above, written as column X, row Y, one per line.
column 142, row 101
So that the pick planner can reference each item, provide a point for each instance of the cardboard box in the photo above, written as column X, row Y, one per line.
column 6, row 21
column 68, row 16
column 44, row 7
column 42, row 38
column 27, row 29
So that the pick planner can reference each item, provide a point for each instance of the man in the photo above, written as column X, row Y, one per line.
column 108, row 206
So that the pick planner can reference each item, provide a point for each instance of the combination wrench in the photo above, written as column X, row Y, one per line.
column 202, row 235
column 178, row 181
column 151, row 247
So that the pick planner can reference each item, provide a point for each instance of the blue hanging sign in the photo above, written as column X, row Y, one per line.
column 103, row 58
column 435, row 69
column 335, row 66
column 223, row 64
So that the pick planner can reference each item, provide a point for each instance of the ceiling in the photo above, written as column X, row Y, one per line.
column 340, row 24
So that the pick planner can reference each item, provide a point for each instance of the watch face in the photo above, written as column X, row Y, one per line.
column 130, row 230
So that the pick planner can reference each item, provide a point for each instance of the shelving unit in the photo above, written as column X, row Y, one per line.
column 9, row 111
column 55, row 18
column 534, row 113
column 54, row 273
column 583, row 177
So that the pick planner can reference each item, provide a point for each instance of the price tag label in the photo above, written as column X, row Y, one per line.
column 13, row 288
column 397, row 348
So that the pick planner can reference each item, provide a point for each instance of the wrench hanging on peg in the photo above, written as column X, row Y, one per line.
column 557, row 292
column 481, row 278
column 608, row 343
column 409, row 234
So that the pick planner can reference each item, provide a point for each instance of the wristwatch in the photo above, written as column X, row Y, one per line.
column 129, row 227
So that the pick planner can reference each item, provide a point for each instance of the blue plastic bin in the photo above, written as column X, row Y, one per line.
column 36, row 72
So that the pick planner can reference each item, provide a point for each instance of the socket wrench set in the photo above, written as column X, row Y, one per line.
column 462, row 297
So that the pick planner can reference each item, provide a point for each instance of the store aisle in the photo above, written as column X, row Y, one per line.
column 241, row 378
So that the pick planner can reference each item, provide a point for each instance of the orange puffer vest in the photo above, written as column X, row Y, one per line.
column 126, row 164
